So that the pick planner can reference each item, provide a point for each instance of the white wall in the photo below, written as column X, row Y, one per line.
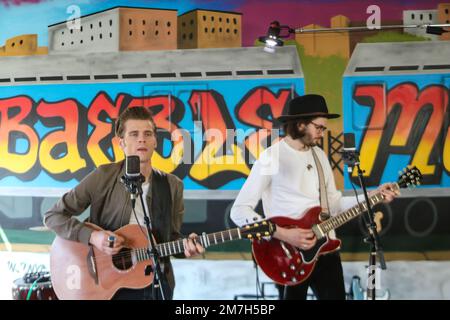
column 223, row 279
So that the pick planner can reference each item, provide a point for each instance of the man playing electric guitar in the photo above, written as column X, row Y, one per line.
column 286, row 178
column 110, row 207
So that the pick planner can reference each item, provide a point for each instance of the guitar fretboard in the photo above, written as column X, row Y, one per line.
column 176, row 247
column 343, row 217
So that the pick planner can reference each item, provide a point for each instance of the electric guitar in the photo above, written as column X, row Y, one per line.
column 83, row 272
column 289, row 265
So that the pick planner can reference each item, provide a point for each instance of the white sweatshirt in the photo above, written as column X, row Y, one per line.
column 288, row 183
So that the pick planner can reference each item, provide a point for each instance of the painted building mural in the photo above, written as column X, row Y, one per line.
column 215, row 93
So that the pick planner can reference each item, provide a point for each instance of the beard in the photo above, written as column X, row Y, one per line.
column 308, row 140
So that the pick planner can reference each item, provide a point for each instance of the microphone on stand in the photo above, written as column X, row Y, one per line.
column 132, row 179
column 132, row 167
column 349, row 153
column 349, row 142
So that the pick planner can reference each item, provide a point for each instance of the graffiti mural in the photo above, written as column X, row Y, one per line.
column 66, row 76
column 399, row 123
column 64, row 139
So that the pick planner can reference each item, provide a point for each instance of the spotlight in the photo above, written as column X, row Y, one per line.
column 273, row 37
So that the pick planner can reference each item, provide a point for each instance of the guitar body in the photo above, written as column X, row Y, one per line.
column 79, row 271
column 83, row 272
column 286, row 264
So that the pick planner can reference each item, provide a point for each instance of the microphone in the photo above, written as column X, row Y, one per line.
column 349, row 142
column 132, row 179
column 132, row 167
column 349, row 153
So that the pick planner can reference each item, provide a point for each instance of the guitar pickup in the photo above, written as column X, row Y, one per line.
column 317, row 231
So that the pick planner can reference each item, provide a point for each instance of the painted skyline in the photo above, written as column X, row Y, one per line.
column 33, row 16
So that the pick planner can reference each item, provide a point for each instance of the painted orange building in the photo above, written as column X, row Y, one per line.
column 340, row 43
column 444, row 17
column 209, row 29
column 147, row 29
column 324, row 44
column 23, row 45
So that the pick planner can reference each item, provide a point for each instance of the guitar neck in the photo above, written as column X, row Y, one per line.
column 176, row 247
column 343, row 217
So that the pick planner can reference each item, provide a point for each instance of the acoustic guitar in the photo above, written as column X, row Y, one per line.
column 79, row 271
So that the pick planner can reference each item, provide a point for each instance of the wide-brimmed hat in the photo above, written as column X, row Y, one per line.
column 307, row 106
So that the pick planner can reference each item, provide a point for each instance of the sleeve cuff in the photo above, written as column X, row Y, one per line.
column 84, row 235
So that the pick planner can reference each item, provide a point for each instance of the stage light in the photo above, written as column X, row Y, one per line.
column 273, row 37
column 274, row 34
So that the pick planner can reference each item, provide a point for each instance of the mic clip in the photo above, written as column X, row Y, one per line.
column 132, row 183
column 350, row 156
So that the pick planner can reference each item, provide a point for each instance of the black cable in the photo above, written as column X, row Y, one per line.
column 258, row 284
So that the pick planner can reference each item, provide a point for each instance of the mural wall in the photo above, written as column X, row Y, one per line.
column 56, row 124
column 53, row 138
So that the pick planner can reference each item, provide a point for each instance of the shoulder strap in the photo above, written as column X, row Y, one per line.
column 325, row 214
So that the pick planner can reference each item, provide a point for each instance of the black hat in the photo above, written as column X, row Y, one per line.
column 307, row 106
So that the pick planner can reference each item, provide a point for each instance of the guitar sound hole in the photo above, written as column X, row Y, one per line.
column 122, row 260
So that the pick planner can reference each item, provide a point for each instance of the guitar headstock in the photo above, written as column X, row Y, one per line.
column 409, row 178
column 257, row 230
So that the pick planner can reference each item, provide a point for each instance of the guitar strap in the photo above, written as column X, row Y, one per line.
column 325, row 213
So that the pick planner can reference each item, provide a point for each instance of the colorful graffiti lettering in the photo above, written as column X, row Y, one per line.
column 258, row 110
column 405, row 120
column 78, row 138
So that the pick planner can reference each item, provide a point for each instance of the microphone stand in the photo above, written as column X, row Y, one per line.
column 134, row 186
column 351, row 158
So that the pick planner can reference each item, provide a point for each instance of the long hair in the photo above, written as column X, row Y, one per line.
column 291, row 128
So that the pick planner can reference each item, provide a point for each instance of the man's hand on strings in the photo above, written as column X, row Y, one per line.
column 387, row 190
column 192, row 246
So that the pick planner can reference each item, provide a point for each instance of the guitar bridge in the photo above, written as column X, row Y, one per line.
column 91, row 264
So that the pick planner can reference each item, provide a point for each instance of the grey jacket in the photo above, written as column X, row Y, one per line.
column 110, row 207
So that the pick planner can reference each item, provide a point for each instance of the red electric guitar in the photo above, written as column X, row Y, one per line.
column 289, row 265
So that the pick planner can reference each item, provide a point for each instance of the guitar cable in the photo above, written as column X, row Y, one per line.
column 30, row 291
column 259, row 290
